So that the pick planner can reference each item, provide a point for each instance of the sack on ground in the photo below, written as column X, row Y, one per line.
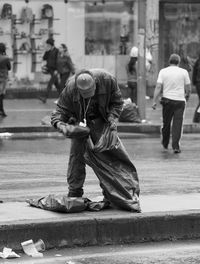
column 63, row 204
column 130, row 112
column 60, row 203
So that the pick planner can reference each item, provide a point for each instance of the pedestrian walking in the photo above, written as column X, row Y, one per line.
column 5, row 66
column 131, row 69
column 174, row 84
column 185, row 62
column 92, row 99
column 50, row 59
column 196, row 83
column 64, row 66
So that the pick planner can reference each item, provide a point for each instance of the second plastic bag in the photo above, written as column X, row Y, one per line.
column 114, row 169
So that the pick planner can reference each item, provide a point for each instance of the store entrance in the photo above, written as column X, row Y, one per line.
column 179, row 32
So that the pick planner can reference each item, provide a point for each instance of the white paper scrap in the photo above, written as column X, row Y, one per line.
column 8, row 253
column 30, row 249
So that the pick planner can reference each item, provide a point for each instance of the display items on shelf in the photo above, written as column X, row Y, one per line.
column 25, row 34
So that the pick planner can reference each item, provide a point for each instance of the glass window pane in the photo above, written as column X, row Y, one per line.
column 109, row 27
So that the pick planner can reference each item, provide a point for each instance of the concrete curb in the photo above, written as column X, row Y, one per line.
column 100, row 228
column 122, row 128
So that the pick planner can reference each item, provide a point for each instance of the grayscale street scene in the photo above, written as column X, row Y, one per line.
column 99, row 132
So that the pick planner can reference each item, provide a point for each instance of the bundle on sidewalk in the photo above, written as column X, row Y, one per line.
column 64, row 204
column 130, row 112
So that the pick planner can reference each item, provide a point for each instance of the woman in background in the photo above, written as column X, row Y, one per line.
column 5, row 66
column 64, row 66
column 131, row 69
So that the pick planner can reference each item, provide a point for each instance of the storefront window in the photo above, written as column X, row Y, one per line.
column 181, row 30
column 109, row 27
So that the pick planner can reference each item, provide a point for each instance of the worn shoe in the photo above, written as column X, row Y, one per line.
column 176, row 151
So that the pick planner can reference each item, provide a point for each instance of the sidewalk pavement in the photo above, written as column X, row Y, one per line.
column 163, row 217
column 25, row 115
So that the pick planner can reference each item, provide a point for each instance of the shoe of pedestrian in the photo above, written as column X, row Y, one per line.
column 165, row 148
column 176, row 151
column 42, row 99
column 2, row 114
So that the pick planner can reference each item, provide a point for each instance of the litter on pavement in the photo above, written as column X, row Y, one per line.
column 8, row 253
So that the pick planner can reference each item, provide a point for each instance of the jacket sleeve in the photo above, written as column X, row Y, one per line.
column 71, row 65
column 45, row 56
column 64, row 109
column 116, row 102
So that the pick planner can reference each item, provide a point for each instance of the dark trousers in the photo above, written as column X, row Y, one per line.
column 198, row 90
column 2, row 112
column 132, row 91
column 63, row 78
column 76, row 172
column 53, row 80
column 76, row 168
column 172, row 111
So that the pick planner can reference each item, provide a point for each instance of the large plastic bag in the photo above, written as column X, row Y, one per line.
column 60, row 203
column 107, row 141
column 63, row 204
column 129, row 112
column 116, row 173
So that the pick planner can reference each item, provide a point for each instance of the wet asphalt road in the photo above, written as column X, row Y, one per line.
column 37, row 167
column 184, row 252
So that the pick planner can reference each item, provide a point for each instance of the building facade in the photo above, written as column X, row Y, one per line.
column 98, row 33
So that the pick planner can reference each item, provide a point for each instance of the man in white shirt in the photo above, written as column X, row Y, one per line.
column 174, row 84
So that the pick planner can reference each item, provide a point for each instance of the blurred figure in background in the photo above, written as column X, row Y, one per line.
column 131, row 69
column 50, row 58
column 5, row 66
column 196, row 83
column 185, row 61
column 196, row 76
column 64, row 66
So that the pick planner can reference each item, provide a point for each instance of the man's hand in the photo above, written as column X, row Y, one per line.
column 73, row 131
column 62, row 128
column 154, row 106
column 112, row 123
column 187, row 96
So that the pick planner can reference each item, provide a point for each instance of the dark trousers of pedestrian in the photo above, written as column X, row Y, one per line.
column 196, row 117
column 63, row 78
column 172, row 112
column 132, row 91
column 53, row 81
column 2, row 112
column 198, row 90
